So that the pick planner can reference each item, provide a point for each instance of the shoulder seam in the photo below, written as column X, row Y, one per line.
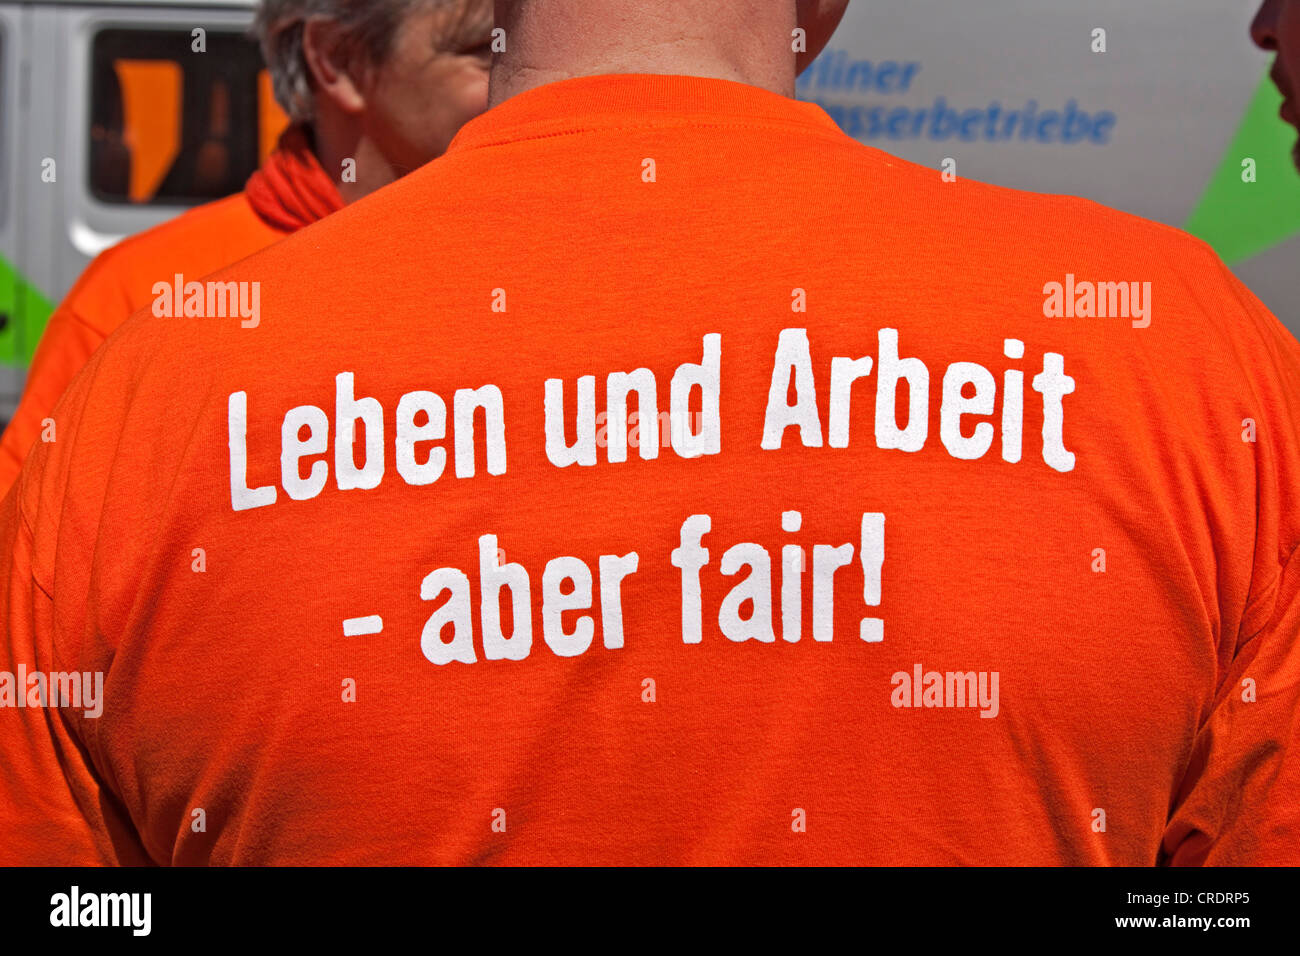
column 47, row 590
column 1271, row 589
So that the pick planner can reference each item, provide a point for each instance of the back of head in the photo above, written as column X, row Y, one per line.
column 370, row 26
column 382, row 85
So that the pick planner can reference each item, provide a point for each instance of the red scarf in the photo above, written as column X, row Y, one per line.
column 291, row 190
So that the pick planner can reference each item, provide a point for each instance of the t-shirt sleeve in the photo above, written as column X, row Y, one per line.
column 54, row 807
column 47, row 790
column 1239, row 803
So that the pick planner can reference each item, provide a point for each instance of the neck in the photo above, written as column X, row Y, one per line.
column 748, row 41
column 338, row 138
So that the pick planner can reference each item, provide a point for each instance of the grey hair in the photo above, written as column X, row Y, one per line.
column 369, row 27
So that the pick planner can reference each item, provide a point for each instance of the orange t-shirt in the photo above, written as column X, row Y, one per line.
column 930, row 543
column 289, row 192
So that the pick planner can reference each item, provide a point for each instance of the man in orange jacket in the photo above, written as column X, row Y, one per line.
column 663, row 476
column 375, row 89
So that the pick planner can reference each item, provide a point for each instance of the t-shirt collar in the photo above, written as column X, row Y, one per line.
column 596, row 102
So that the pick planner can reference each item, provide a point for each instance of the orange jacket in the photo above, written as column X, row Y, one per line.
column 289, row 192
column 384, row 579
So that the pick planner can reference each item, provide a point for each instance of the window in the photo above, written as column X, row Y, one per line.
column 172, row 126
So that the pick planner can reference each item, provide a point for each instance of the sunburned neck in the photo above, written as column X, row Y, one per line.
column 551, row 40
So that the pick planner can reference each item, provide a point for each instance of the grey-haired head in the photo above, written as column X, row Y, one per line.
column 369, row 25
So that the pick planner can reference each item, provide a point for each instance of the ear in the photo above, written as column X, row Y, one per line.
column 333, row 68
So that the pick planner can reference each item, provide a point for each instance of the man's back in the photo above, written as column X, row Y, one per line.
column 1058, row 628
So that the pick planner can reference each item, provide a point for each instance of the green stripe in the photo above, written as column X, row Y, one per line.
column 26, row 311
column 1241, row 219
